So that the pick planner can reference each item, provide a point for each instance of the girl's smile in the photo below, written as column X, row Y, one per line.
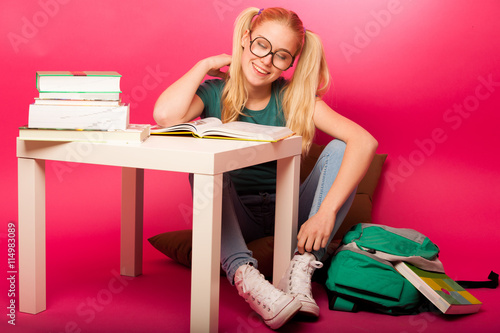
column 260, row 70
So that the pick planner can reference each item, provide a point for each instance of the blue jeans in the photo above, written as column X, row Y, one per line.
column 248, row 217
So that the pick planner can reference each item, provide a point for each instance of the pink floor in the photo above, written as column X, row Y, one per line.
column 85, row 294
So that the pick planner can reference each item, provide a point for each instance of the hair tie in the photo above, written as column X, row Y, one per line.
column 305, row 30
column 260, row 11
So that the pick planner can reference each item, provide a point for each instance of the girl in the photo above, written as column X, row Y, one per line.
column 265, row 44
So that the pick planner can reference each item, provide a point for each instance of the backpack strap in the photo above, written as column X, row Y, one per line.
column 341, row 304
column 434, row 265
column 492, row 283
column 338, row 303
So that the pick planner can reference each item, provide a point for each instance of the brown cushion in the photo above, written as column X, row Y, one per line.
column 369, row 183
column 177, row 244
column 361, row 208
column 307, row 163
column 263, row 250
column 360, row 212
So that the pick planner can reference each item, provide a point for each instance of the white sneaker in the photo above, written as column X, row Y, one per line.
column 297, row 282
column 274, row 306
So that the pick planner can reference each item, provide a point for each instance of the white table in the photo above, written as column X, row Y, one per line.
column 207, row 159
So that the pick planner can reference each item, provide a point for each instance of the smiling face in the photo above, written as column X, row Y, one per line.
column 260, row 72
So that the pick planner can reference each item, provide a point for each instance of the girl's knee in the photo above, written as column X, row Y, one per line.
column 331, row 155
column 335, row 147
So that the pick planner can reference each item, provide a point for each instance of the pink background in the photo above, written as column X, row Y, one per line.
column 413, row 73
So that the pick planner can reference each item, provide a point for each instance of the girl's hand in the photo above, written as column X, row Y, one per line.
column 179, row 102
column 217, row 62
column 315, row 232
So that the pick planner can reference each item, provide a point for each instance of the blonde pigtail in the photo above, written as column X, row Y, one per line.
column 234, row 95
column 310, row 81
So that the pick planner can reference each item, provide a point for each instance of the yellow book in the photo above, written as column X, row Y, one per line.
column 447, row 295
column 135, row 133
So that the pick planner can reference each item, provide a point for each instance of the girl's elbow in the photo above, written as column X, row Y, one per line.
column 370, row 144
column 160, row 115
column 157, row 117
column 373, row 144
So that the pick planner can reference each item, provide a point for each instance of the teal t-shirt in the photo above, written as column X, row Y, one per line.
column 258, row 178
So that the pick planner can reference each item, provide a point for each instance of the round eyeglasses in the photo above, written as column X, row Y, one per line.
column 281, row 59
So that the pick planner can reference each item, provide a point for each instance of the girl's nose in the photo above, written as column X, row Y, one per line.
column 267, row 60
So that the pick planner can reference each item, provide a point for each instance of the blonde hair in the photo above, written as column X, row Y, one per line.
column 310, row 80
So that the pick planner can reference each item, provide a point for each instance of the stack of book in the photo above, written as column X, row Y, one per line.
column 80, row 106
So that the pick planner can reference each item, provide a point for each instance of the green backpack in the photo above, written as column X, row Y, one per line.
column 361, row 276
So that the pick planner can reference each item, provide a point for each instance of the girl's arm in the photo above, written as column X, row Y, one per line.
column 179, row 102
column 360, row 149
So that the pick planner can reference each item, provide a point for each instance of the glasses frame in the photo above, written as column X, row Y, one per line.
column 271, row 52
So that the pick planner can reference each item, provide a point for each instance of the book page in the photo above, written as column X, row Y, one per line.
column 245, row 130
column 195, row 126
column 205, row 124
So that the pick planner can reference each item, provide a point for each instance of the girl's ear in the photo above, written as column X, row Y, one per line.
column 245, row 39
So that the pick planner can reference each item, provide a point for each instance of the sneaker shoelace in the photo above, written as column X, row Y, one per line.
column 256, row 286
column 301, row 273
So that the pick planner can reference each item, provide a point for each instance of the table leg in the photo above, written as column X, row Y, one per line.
column 205, row 274
column 132, row 221
column 31, row 246
column 287, row 196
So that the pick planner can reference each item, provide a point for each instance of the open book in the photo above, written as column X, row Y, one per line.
column 213, row 128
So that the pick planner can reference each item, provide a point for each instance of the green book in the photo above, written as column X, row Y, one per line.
column 447, row 295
